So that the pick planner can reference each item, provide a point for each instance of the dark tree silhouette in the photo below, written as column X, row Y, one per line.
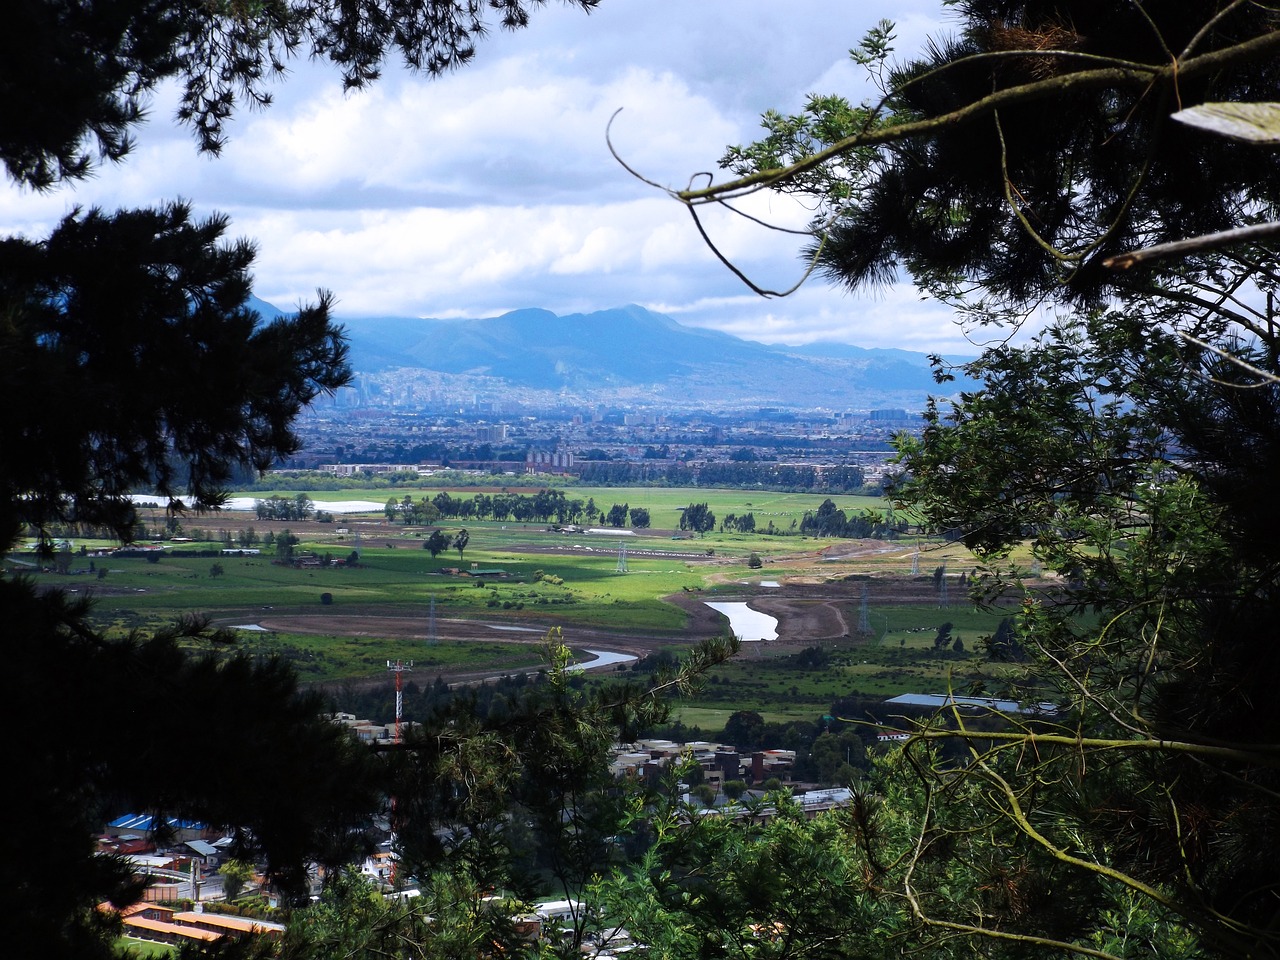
column 75, row 78
column 133, row 330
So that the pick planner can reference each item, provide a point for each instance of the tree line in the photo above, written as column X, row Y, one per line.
column 545, row 506
column 838, row 478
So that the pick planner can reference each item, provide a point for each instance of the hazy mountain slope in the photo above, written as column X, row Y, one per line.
column 631, row 348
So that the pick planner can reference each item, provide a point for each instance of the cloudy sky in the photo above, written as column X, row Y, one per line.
column 493, row 188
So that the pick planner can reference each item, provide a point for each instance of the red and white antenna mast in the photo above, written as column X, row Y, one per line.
column 399, row 667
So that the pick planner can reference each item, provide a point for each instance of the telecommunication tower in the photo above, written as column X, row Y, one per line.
column 398, row 667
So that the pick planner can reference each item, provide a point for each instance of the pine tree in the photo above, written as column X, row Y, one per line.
column 1130, row 446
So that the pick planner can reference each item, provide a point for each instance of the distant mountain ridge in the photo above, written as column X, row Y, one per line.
column 636, row 350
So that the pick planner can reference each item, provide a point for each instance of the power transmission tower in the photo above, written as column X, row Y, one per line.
column 915, row 561
column 943, row 600
column 432, row 639
column 622, row 558
column 864, row 617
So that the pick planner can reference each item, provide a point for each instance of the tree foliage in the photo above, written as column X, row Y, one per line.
column 830, row 521
column 698, row 518
column 121, row 324
column 75, row 78
column 112, row 758
column 451, row 917
column 133, row 359
column 438, row 542
column 768, row 883
column 1018, row 156
column 1128, row 447
column 1144, row 490
column 509, row 800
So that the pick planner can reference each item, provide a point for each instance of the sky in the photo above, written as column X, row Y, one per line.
column 493, row 188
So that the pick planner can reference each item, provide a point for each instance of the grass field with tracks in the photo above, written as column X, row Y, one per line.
column 513, row 576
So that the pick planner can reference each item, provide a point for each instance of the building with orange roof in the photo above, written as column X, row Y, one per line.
column 225, row 923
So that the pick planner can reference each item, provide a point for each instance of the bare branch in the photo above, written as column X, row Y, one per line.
column 1201, row 244
column 1231, row 358
column 1121, row 75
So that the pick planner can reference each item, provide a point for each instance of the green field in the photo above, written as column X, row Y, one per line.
column 129, row 948
column 396, row 573
column 330, row 658
column 403, row 580
column 772, row 683
column 527, row 575
column 663, row 503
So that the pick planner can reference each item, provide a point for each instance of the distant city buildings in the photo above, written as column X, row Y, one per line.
column 352, row 469
column 666, row 447
column 542, row 461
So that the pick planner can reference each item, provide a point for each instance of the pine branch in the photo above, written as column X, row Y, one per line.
column 1120, row 75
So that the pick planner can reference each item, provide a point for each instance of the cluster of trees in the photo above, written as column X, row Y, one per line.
column 827, row 521
column 739, row 524
column 698, row 518
column 834, row 478
column 439, row 541
column 830, row 521
column 406, row 510
column 298, row 507
column 425, row 703
column 944, row 639
column 545, row 506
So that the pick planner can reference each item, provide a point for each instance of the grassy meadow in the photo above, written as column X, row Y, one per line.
column 528, row 576
column 782, row 686
column 663, row 503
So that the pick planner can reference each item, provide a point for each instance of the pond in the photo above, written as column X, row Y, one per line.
column 603, row 658
column 745, row 623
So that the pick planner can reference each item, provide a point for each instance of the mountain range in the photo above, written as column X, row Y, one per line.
column 631, row 352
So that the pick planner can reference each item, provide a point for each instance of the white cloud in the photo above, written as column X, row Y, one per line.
column 897, row 318
column 493, row 188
